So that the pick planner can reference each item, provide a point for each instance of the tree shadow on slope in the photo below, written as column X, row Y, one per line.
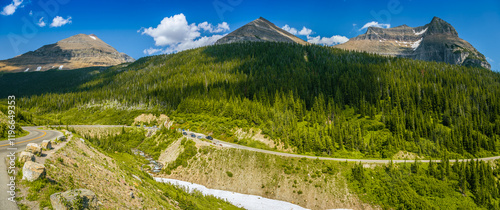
column 307, row 71
column 52, row 81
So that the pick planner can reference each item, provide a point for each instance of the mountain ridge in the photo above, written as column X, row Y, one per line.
column 260, row 30
column 436, row 41
column 78, row 51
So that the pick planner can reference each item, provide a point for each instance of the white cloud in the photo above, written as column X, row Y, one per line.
column 11, row 8
column 177, row 34
column 221, row 27
column 290, row 29
column 202, row 41
column 41, row 23
column 31, row 13
column 329, row 41
column 59, row 21
column 375, row 24
column 173, row 30
column 490, row 60
column 151, row 51
column 305, row 31
column 317, row 39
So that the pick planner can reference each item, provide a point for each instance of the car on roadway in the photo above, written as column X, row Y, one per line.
column 184, row 133
column 209, row 138
column 199, row 137
column 193, row 135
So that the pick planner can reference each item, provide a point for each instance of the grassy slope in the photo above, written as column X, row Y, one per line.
column 309, row 183
column 319, row 184
column 4, row 128
column 109, row 175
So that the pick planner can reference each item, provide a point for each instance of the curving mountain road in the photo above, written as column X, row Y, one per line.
column 35, row 136
column 237, row 146
column 34, row 133
column 38, row 135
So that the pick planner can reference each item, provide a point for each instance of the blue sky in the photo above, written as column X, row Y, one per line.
column 133, row 27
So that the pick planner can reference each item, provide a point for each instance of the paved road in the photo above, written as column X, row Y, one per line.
column 35, row 136
column 38, row 135
column 237, row 146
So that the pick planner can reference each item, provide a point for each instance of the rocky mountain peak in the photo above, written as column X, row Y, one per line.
column 260, row 30
column 439, row 26
column 435, row 41
column 402, row 26
column 261, row 22
column 74, row 52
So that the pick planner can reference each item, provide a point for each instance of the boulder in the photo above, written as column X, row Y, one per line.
column 33, row 171
column 26, row 156
column 46, row 144
column 62, row 138
column 34, row 148
column 74, row 199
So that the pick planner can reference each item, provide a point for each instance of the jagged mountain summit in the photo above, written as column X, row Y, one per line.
column 436, row 41
column 78, row 51
column 260, row 30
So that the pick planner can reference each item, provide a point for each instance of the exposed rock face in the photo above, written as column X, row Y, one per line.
column 74, row 199
column 46, row 144
column 78, row 51
column 33, row 171
column 63, row 138
column 34, row 148
column 26, row 156
column 436, row 41
column 258, row 31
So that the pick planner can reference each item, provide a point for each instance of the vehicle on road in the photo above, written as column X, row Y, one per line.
column 184, row 133
column 193, row 135
column 199, row 137
column 209, row 138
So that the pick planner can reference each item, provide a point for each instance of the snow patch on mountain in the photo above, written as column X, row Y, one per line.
column 421, row 32
column 250, row 202
column 416, row 44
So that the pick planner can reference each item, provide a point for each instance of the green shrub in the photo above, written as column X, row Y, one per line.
column 190, row 150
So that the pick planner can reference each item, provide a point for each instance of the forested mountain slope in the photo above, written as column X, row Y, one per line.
column 316, row 100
